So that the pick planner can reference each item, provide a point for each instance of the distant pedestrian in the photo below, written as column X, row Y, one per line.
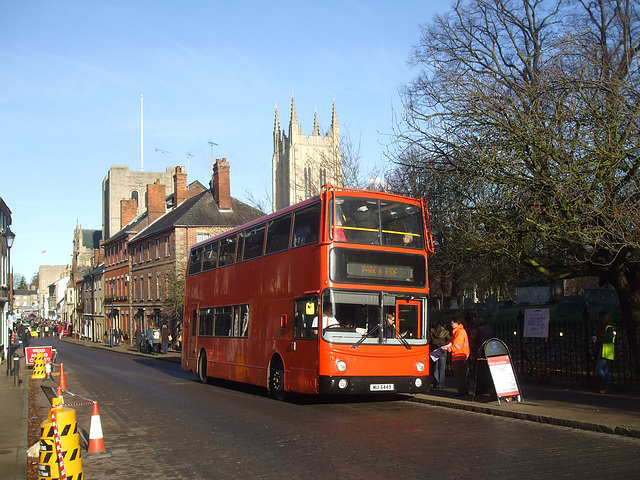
column 149, row 334
column 604, row 340
column 165, row 339
column 139, row 339
column 438, row 337
column 459, row 349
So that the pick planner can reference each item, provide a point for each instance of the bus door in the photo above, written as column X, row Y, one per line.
column 409, row 315
column 189, row 336
column 302, row 355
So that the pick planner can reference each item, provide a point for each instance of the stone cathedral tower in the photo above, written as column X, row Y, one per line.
column 302, row 164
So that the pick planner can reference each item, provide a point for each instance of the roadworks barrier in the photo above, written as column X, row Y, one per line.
column 38, row 367
column 60, row 455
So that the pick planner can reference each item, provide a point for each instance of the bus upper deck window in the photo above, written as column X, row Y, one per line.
column 306, row 226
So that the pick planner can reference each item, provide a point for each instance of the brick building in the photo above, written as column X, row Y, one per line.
column 146, row 260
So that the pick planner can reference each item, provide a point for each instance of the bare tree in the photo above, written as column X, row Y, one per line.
column 530, row 109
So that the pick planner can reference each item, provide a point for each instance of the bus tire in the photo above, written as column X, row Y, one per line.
column 202, row 367
column 276, row 383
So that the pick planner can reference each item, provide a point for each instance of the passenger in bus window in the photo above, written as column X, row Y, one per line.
column 390, row 326
column 301, row 235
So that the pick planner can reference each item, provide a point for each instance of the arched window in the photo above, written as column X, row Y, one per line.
column 134, row 196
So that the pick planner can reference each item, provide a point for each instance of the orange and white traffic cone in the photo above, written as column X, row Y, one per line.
column 96, row 441
column 62, row 382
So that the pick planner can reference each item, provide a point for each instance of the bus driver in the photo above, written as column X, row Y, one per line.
column 328, row 320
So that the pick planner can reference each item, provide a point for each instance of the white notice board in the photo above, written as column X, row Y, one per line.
column 536, row 322
column 503, row 377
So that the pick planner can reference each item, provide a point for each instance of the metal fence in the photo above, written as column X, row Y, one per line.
column 567, row 356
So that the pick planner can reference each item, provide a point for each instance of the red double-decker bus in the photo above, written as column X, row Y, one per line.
column 327, row 296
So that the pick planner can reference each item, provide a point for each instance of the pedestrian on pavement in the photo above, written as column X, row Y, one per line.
column 459, row 349
column 150, row 339
column 139, row 339
column 165, row 338
column 604, row 340
column 479, row 332
column 118, row 336
column 110, row 334
column 438, row 337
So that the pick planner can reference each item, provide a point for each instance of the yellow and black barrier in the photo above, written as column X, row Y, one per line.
column 38, row 367
column 60, row 456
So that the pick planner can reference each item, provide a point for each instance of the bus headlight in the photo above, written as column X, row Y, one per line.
column 341, row 365
column 420, row 366
column 343, row 383
column 418, row 382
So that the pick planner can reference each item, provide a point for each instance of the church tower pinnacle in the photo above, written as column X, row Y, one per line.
column 301, row 164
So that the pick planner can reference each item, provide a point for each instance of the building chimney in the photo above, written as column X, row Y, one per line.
column 156, row 200
column 128, row 211
column 220, row 184
column 179, row 186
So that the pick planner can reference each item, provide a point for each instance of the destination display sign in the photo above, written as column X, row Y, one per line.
column 380, row 272
column 377, row 267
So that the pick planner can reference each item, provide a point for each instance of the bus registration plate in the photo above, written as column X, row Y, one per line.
column 379, row 387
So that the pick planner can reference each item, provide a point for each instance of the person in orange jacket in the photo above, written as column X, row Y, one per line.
column 459, row 349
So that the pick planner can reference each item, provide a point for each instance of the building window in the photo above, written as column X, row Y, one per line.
column 307, row 182
column 167, row 249
column 157, row 248
column 201, row 236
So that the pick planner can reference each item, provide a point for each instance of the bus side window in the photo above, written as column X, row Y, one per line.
column 253, row 242
column 227, row 251
column 278, row 234
column 194, row 322
column 305, row 311
column 195, row 261
column 210, row 256
column 306, row 226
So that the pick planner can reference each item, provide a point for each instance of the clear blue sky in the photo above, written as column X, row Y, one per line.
column 72, row 73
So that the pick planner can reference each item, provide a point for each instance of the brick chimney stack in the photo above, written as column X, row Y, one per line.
column 156, row 200
column 128, row 211
column 179, row 186
column 220, row 184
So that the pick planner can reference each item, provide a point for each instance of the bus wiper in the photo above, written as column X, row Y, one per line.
column 403, row 341
column 365, row 336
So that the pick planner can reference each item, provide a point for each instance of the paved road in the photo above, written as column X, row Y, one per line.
column 158, row 422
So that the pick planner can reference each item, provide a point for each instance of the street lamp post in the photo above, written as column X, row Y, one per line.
column 9, row 237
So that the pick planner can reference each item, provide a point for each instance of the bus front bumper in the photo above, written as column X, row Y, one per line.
column 360, row 385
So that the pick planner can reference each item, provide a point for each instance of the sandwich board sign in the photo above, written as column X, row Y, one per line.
column 501, row 369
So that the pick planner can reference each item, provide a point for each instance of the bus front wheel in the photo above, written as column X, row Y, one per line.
column 202, row 367
column 276, row 383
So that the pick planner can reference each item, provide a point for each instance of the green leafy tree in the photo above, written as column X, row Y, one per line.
column 530, row 111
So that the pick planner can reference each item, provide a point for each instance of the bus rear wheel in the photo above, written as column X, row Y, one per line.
column 202, row 367
column 276, row 384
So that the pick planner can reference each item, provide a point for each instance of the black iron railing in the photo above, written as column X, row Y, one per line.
column 567, row 355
